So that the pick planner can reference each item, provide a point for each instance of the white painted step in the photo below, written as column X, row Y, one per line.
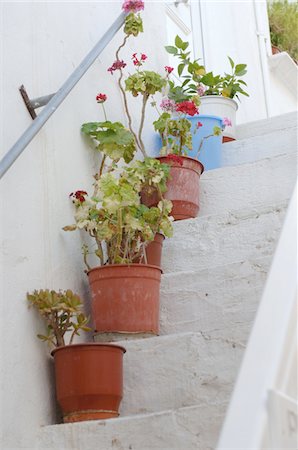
column 267, row 126
column 220, row 303
column 189, row 428
column 212, row 241
column 262, row 139
column 268, row 181
column 170, row 372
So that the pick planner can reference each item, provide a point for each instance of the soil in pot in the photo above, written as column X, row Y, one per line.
column 89, row 381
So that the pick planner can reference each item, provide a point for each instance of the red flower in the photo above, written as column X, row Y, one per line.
column 199, row 124
column 187, row 107
column 143, row 57
column 117, row 65
column 169, row 69
column 136, row 61
column 79, row 195
column 133, row 6
column 175, row 158
column 101, row 98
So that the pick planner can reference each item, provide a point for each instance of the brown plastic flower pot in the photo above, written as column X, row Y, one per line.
column 125, row 298
column 89, row 381
column 154, row 251
column 182, row 187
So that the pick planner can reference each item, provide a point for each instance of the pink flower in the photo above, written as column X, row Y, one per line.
column 199, row 124
column 227, row 122
column 201, row 90
column 168, row 105
column 138, row 62
column 169, row 69
column 133, row 6
column 101, row 98
column 187, row 107
column 117, row 65
column 175, row 159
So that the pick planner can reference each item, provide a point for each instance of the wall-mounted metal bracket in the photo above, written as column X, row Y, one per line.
column 35, row 103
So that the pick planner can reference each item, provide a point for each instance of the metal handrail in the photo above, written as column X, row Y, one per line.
column 20, row 145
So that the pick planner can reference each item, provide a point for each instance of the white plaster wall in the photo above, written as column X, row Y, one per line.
column 42, row 42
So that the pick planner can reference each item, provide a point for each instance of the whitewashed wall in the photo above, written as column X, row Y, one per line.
column 42, row 43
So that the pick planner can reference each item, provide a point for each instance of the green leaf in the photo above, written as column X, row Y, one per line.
column 231, row 62
column 240, row 69
column 180, row 69
column 172, row 50
column 185, row 45
column 178, row 42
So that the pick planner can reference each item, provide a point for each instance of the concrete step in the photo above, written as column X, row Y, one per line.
column 190, row 428
column 185, row 369
column 257, row 142
column 267, row 126
column 212, row 241
column 268, row 181
column 220, row 303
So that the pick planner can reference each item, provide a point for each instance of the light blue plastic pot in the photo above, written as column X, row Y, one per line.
column 211, row 152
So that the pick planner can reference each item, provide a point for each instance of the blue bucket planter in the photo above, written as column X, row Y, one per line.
column 211, row 152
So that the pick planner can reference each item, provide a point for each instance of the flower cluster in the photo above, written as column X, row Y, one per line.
column 101, row 98
column 201, row 90
column 133, row 6
column 227, row 122
column 187, row 107
column 138, row 62
column 168, row 105
column 79, row 195
column 117, row 65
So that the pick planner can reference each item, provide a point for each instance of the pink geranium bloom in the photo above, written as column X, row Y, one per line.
column 227, row 122
column 133, row 6
column 169, row 69
column 101, row 98
column 201, row 90
column 117, row 65
column 168, row 105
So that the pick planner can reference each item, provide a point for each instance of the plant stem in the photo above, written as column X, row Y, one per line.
column 145, row 99
column 201, row 144
column 102, row 164
column 104, row 112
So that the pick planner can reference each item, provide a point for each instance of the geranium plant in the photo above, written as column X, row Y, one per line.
column 113, row 214
column 62, row 313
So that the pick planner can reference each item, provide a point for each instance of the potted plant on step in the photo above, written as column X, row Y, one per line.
column 217, row 93
column 89, row 376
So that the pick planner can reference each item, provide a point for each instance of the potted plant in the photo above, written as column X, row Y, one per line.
column 217, row 93
column 89, row 376
column 123, row 283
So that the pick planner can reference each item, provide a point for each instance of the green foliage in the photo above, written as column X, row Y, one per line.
column 175, row 134
column 145, row 83
column 115, row 217
column 112, row 139
column 283, row 21
column 228, row 85
column 62, row 312
column 133, row 24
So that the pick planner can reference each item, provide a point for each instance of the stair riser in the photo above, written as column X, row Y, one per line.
column 221, row 302
column 171, row 372
column 203, row 244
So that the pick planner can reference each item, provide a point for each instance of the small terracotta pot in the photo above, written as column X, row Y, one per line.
column 89, row 381
column 125, row 298
column 154, row 251
column 182, row 188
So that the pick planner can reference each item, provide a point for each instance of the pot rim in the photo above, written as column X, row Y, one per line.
column 228, row 99
column 88, row 344
column 186, row 157
column 143, row 266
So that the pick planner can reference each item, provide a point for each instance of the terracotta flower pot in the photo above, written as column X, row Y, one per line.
column 89, row 381
column 154, row 251
column 125, row 298
column 182, row 187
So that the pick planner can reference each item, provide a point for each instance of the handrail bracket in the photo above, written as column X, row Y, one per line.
column 33, row 104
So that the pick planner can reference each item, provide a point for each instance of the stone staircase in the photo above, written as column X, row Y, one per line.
column 177, row 385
